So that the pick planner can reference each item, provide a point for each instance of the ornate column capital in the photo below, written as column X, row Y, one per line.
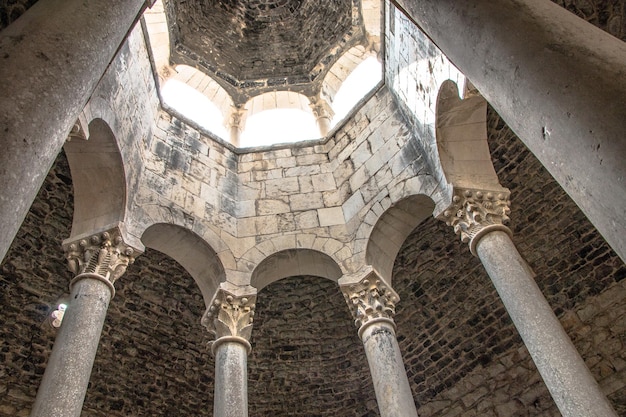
column 237, row 117
column 371, row 300
column 473, row 213
column 229, row 318
column 321, row 108
column 103, row 256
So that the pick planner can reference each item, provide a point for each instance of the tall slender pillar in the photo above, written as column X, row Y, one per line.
column 478, row 216
column 323, row 114
column 52, row 57
column 98, row 261
column 372, row 303
column 230, row 318
column 557, row 80
column 236, row 123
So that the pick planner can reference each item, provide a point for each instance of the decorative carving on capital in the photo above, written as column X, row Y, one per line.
column 473, row 212
column 230, row 315
column 321, row 108
column 104, row 254
column 369, row 299
column 237, row 118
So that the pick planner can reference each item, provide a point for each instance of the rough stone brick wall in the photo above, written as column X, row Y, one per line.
column 462, row 352
column 307, row 359
column 10, row 10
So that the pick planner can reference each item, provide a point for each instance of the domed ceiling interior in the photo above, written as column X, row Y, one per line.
column 254, row 46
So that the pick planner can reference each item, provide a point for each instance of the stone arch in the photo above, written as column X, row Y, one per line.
column 99, row 179
column 461, row 132
column 294, row 262
column 277, row 100
column 191, row 251
column 392, row 229
column 343, row 68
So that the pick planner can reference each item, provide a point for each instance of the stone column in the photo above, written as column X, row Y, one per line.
column 559, row 83
column 236, row 123
column 478, row 216
column 97, row 261
column 372, row 303
column 229, row 318
column 323, row 114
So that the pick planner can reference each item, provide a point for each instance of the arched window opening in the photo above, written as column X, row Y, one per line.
column 360, row 82
column 278, row 126
column 194, row 105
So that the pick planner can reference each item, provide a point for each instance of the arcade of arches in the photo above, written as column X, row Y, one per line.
column 420, row 258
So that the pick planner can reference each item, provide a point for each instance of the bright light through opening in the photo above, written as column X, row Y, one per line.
column 360, row 82
column 279, row 126
column 194, row 105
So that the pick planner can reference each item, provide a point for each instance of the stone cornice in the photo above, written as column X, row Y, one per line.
column 474, row 212
column 370, row 300
column 104, row 255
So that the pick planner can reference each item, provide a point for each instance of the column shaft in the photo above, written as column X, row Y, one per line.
column 52, row 58
column 573, row 388
column 559, row 83
column 62, row 390
column 231, row 380
column 393, row 392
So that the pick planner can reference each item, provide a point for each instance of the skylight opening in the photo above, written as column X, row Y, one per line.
column 360, row 82
column 195, row 106
column 278, row 126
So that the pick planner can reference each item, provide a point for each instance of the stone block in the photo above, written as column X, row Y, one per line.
column 330, row 216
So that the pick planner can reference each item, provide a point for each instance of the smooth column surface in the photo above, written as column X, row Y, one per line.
column 573, row 388
column 64, row 384
column 51, row 59
column 231, row 380
column 393, row 392
column 557, row 81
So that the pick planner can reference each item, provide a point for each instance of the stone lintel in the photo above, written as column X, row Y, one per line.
column 474, row 212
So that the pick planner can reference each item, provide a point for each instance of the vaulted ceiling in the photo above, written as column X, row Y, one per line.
column 253, row 46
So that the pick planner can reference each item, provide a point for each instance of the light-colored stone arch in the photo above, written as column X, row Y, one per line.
column 294, row 262
column 192, row 252
column 343, row 68
column 277, row 100
column 392, row 229
column 99, row 180
column 461, row 131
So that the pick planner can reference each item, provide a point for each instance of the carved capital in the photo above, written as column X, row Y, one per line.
column 237, row 117
column 476, row 212
column 370, row 299
column 321, row 108
column 230, row 316
column 103, row 254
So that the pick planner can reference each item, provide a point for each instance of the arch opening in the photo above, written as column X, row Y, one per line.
column 191, row 251
column 99, row 180
column 392, row 229
column 461, row 131
column 294, row 262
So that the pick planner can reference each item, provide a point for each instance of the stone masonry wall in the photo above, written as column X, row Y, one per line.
column 324, row 196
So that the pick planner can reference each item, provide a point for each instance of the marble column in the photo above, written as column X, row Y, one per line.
column 97, row 261
column 479, row 217
column 230, row 318
column 556, row 80
column 323, row 114
column 372, row 303
column 52, row 58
